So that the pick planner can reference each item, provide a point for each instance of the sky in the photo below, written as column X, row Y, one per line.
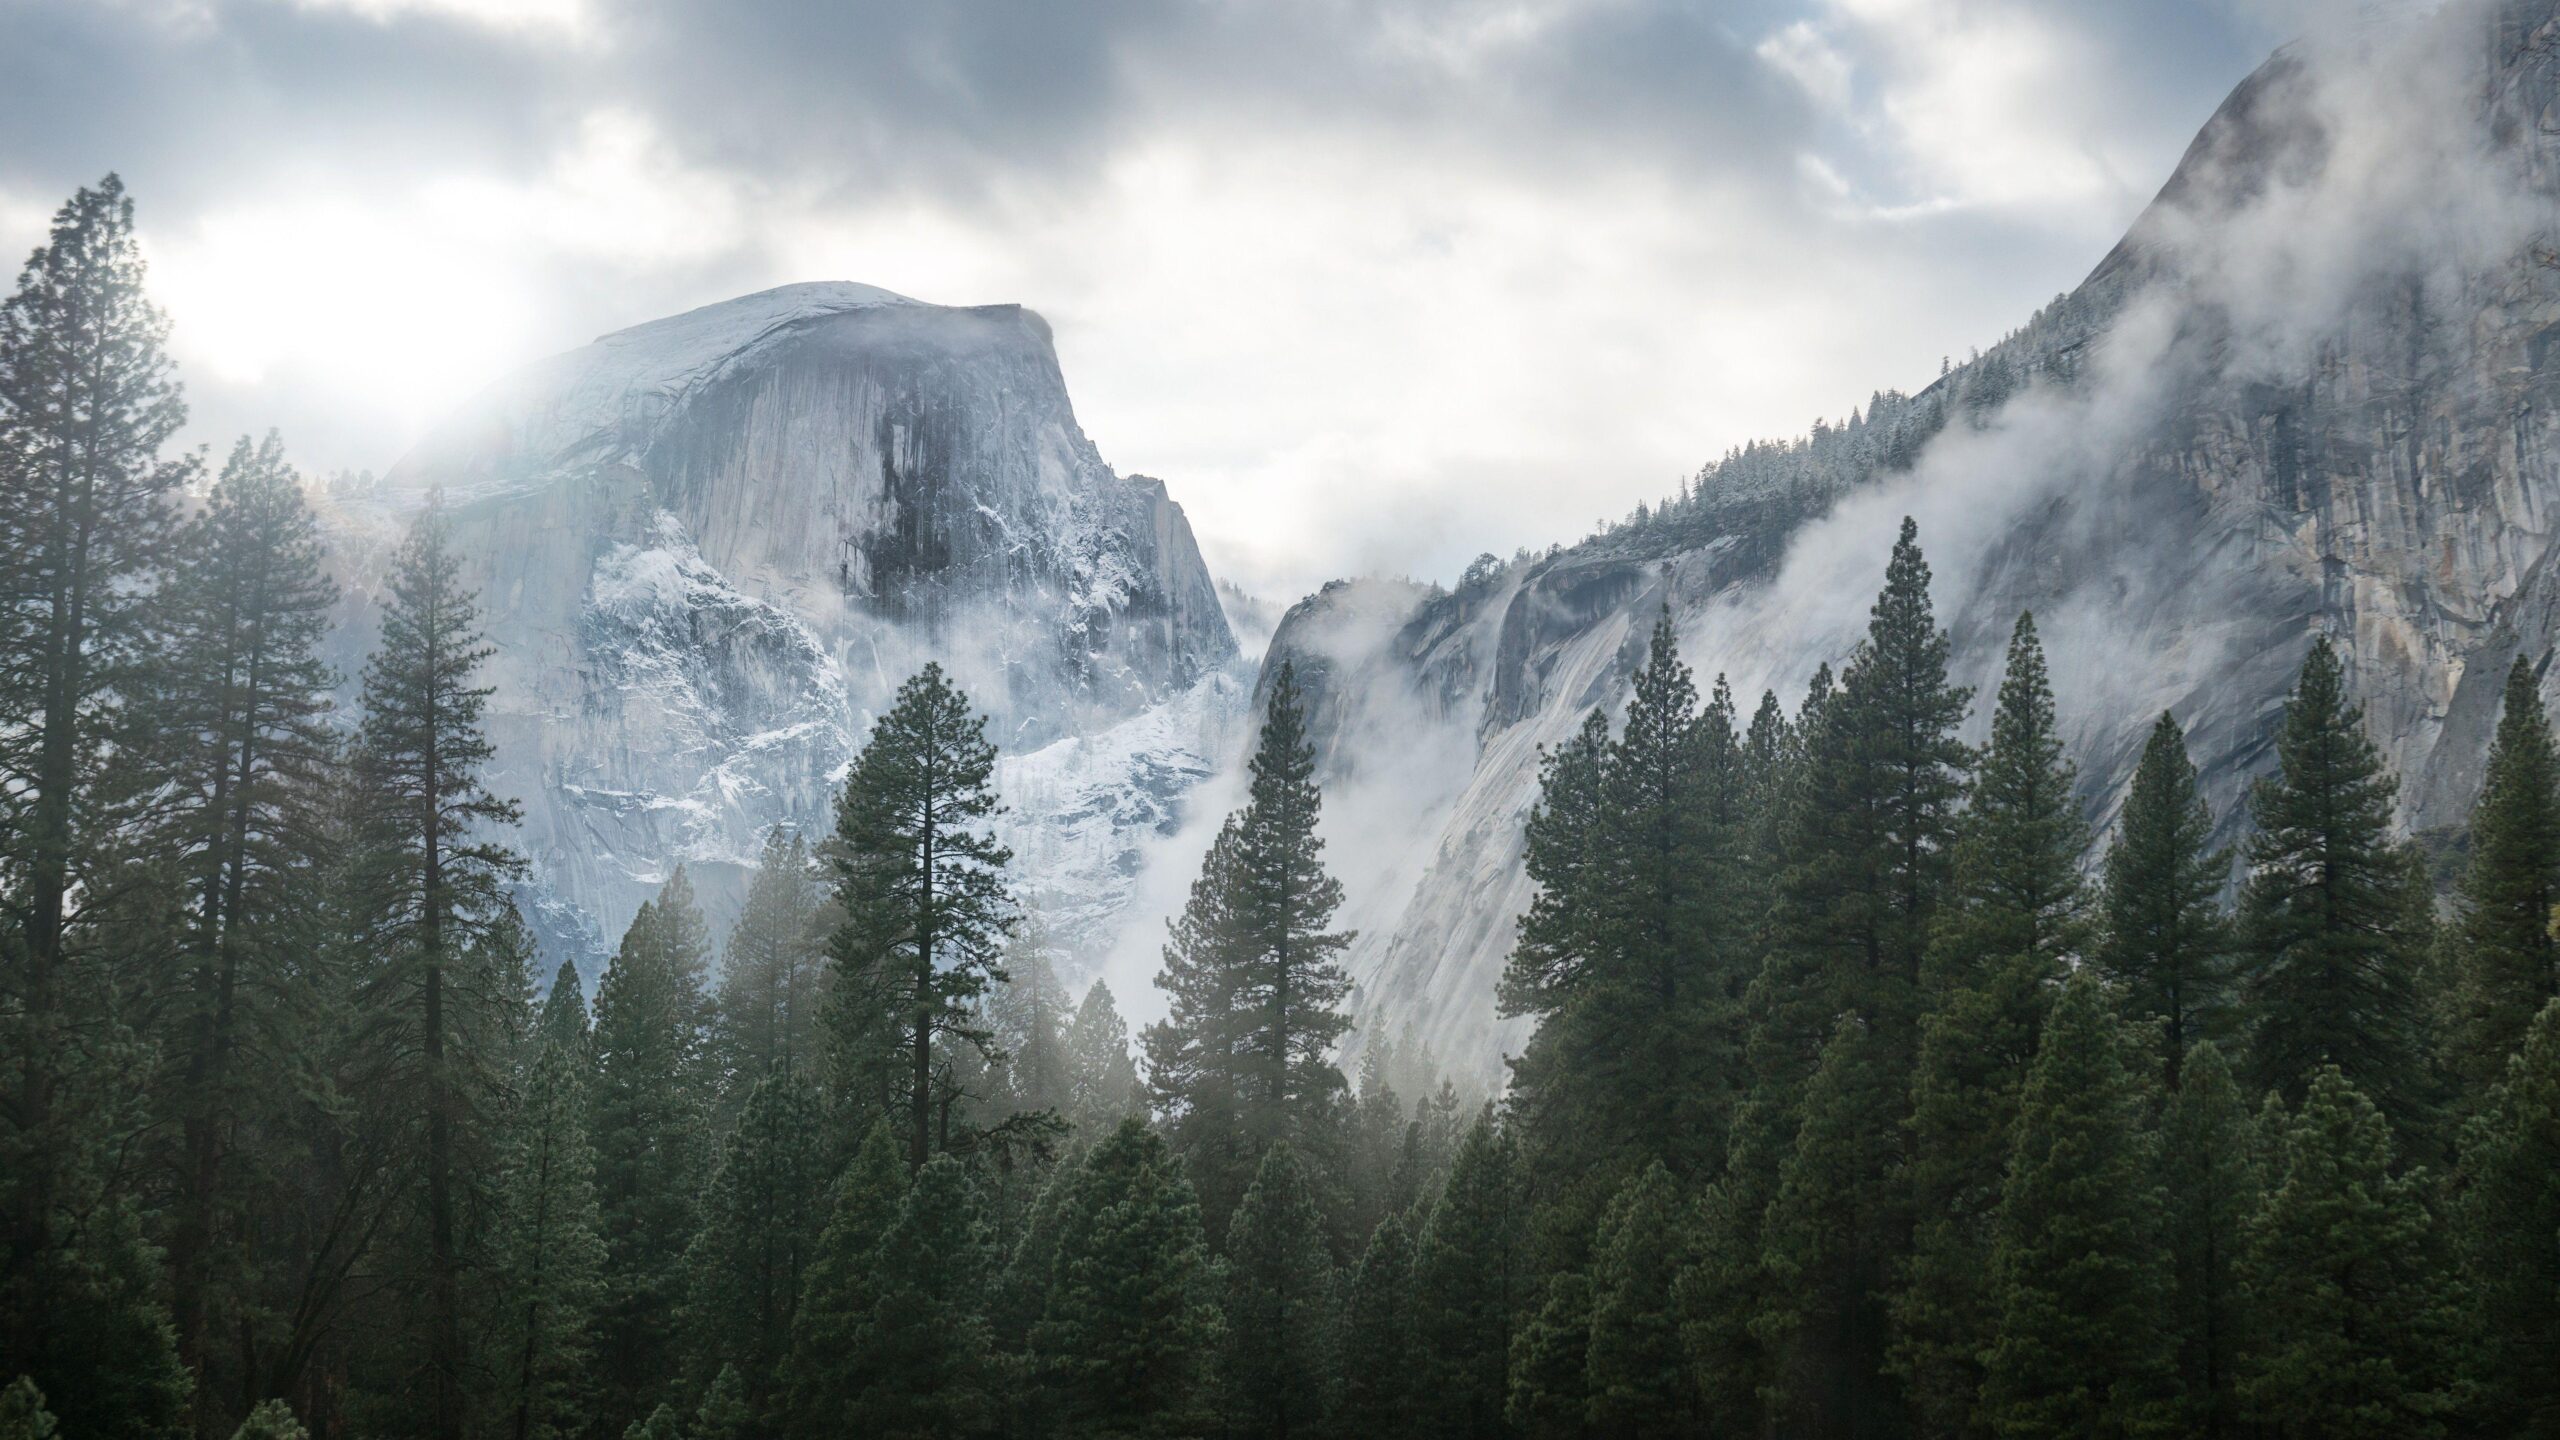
column 1373, row 285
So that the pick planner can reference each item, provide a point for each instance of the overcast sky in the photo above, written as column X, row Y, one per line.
column 1373, row 286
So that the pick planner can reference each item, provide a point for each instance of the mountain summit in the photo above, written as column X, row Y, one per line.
column 708, row 547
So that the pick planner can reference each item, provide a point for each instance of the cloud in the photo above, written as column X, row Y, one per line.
column 1370, row 283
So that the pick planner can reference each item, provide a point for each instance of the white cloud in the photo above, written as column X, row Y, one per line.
column 1802, row 53
column 545, row 19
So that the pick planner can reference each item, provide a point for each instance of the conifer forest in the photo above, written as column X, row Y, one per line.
column 1875, row 1084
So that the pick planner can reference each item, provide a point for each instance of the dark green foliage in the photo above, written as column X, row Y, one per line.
column 2209, row 1159
column 725, row 1413
column 1280, row 1303
column 1131, row 1323
column 549, row 1253
column 1550, row 1364
column 22, row 1412
column 661, row 1424
column 2078, row 1278
column 87, row 400
column 1029, row 1014
column 1103, row 1084
column 441, row 993
column 761, row 1217
column 1243, row 1060
column 921, row 1358
column 1470, row 1284
column 2507, row 963
column 651, row 1127
column 1638, row 1376
column 1869, row 839
column 238, row 736
column 926, row 911
column 1832, row 1245
column 765, row 1015
column 1634, row 956
column 2331, row 965
column 1381, row 1360
column 2015, row 920
column 2164, row 939
column 2347, row 1315
column 271, row 1420
column 2507, row 1228
column 837, row 1290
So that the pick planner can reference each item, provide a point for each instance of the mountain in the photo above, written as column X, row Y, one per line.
column 2312, row 392
column 708, row 549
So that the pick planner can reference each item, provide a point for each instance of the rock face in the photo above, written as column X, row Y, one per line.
column 2313, row 392
column 710, row 547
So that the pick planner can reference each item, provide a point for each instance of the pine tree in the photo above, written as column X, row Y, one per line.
column 921, row 1357
column 2209, row 1160
column 2165, row 941
column 87, row 401
column 1242, row 1061
column 237, row 735
column 439, row 994
column 837, row 1291
column 725, row 1413
column 2346, row 1320
column 761, row 1217
column 1550, row 1364
column 1381, row 1392
column 1832, row 1245
column 2507, row 1228
column 765, row 1015
column 1280, row 1303
column 1637, row 1055
column 2325, row 914
column 550, row 1252
column 1103, row 1086
column 926, row 909
column 2078, row 1279
column 1131, row 1324
column 1470, row 1283
column 2508, row 963
column 652, row 1135
column 1639, row 1379
column 1029, row 1015
column 2015, row 921
column 1870, row 840
column 1560, row 934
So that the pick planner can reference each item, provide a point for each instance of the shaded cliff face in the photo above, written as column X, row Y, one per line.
column 2313, row 392
column 709, row 549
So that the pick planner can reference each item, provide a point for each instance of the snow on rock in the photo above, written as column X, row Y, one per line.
column 709, row 548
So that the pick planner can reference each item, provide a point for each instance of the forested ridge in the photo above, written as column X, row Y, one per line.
column 1856, row 1106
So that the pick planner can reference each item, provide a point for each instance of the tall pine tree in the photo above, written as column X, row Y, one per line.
column 1127, row 1343
column 2209, row 1159
column 2347, row 1313
column 240, row 738
column 926, row 910
column 550, row 1251
column 1471, row 1281
column 2507, row 963
column 838, row 1291
column 2017, row 919
column 87, row 401
column 1381, row 1385
column 439, row 998
column 2078, row 1278
column 2507, row 1228
column 761, row 1217
column 651, row 1128
column 1280, row 1304
column 2325, row 917
column 2164, row 938
column 1243, row 1060
column 765, row 1015
column 1638, row 1375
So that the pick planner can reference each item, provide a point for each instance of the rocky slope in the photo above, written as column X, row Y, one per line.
column 710, row 547
column 2313, row 392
